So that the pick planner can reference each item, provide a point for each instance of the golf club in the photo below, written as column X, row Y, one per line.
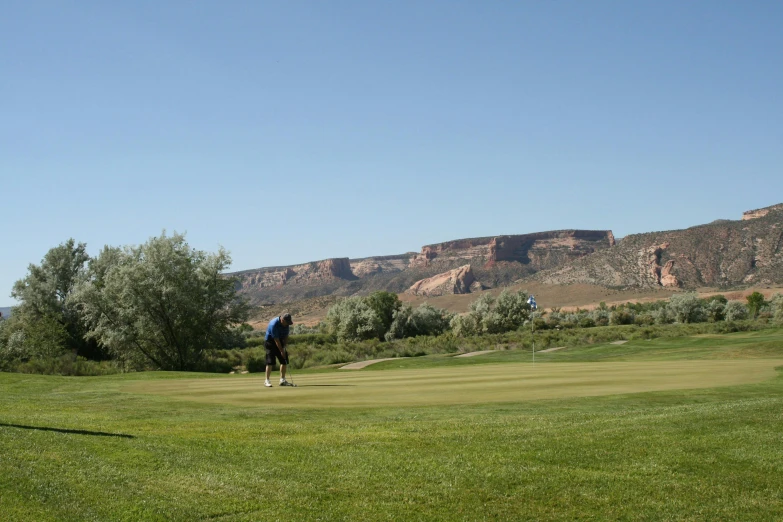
column 288, row 371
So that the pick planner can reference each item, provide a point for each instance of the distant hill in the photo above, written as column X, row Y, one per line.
column 724, row 253
column 5, row 310
column 495, row 260
column 721, row 254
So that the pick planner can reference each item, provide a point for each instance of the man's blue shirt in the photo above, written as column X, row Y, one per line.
column 276, row 330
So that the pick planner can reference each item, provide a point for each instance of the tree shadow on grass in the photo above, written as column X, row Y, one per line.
column 62, row 430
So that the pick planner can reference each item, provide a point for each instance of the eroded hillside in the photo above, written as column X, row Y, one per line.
column 720, row 254
column 495, row 260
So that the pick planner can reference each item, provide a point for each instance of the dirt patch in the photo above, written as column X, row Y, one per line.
column 473, row 354
column 363, row 364
column 551, row 349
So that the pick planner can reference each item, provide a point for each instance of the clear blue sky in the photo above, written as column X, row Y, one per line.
column 296, row 131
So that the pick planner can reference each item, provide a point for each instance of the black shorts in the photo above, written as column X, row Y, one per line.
column 273, row 352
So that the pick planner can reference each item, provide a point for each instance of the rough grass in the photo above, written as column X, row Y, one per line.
column 96, row 448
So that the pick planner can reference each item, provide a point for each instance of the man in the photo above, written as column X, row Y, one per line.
column 275, row 342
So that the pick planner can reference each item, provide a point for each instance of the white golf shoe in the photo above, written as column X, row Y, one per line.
column 283, row 382
column 267, row 383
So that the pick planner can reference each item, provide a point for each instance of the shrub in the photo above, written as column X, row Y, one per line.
column 255, row 364
column 312, row 338
column 586, row 322
column 424, row 320
column 254, row 341
column 67, row 365
column 352, row 319
column 215, row 365
column 621, row 316
column 466, row 325
column 300, row 329
column 735, row 311
column 776, row 304
column 384, row 304
column 715, row 310
column 644, row 320
column 755, row 303
column 512, row 309
column 686, row 308
column 663, row 316
column 488, row 315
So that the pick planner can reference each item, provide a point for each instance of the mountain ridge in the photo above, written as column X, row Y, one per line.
column 724, row 253
column 497, row 260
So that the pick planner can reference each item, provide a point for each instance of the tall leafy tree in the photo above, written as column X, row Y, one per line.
column 352, row 319
column 46, row 311
column 755, row 303
column 424, row 320
column 384, row 304
column 687, row 308
column 164, row 301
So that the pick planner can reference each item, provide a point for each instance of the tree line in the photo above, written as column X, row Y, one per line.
column 381, row 315
column 162, row 304
column 166, row 305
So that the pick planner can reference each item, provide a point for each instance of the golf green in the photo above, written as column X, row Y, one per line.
column 465, row 385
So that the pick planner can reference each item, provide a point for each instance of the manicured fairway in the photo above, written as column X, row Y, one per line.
column 681, row 429
column 510, row 382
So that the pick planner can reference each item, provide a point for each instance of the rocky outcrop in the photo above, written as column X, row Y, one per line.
column 458, row 281
column 722, row 253
column 662, row 275
column 667, row 277
column 653, row 255
column 380, row 265
column 315, row 272
column 761, row 212
column 540, row 250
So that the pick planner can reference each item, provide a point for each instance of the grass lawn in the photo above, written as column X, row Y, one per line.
column 674, row 429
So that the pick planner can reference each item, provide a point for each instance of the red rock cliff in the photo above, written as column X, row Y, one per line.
column 458, row 281
column 542, row 249
column 316, row 272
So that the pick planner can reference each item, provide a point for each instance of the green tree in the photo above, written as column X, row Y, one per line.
column 22, row 339
column 513, row 309
column 735, row 311
column 44, row 296
column 719, row 298
column 163, row 301
column 486, row 319
column 384, row 304
column 466, row 325
column 621, row 316
column 776, row 303
column 715, row 310
column 352, row 319
column 686, row 308
column 490, row 315
column 424, row 320
column 755, row 303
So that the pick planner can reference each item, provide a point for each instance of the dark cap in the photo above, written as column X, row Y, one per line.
column 287, row 318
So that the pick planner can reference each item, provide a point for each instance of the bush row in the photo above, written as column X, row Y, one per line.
column 318, row 351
